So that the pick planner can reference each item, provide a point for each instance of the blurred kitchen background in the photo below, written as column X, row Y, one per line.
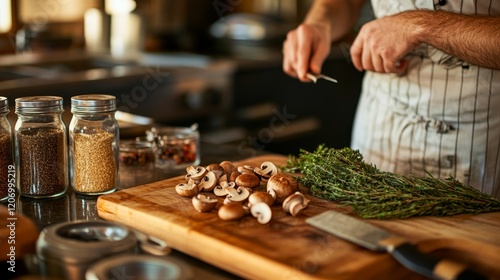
column 170, row 62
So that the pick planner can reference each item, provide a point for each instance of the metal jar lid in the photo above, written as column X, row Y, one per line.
column 4, row 105
column 84, row 241
column 93, row 103
column 39, row 104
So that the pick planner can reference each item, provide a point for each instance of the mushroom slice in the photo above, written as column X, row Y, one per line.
column 186, row 189
column 231, row 211
column 215, row 168
column 247, row 180
column 208, row 182
column 257, row 197
column 220, row 191
column 195, row 173
column 262, row 212
column 295, row 203
column 246, row 169
column 203, row 203
column 237, row 195
column 266, row 170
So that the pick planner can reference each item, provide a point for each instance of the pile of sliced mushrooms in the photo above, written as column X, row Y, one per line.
column 239, row 187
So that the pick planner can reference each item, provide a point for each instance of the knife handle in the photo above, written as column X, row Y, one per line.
column 428, row 265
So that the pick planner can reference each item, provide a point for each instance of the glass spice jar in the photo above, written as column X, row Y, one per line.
column 40, row 147
column 94, row 144
column 6, row 167
column 175, row 147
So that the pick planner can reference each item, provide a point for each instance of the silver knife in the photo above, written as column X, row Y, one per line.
column 315, row 77
column 376, row 239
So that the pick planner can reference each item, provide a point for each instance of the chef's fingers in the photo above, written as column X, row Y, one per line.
column 356, row 52
column 321, row 49
column 289, row 54
column 304, row 50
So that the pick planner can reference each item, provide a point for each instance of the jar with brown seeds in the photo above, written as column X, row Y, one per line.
column 6, row 173
column 40, row 147
column 94, row 144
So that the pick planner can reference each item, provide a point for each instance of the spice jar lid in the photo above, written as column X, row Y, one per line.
column 4, row 105
column 39, row 104
column 92, row 103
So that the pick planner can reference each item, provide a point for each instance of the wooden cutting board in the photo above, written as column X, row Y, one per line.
column 288, row 248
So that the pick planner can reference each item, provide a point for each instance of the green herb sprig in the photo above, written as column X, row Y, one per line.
column 341, row 175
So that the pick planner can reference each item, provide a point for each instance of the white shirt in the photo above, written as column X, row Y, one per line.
column 442, row 117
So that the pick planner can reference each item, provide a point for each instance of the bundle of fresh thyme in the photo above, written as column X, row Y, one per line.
column 342, row 176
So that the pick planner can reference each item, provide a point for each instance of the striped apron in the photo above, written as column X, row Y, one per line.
column 442, row 117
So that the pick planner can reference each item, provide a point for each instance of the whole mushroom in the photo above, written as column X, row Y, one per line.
column 232, row 211
column 247, row 180
column 283, row 185
column 257, row 197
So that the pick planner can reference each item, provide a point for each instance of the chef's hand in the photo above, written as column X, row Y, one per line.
column 305, row 49
column 382, row 43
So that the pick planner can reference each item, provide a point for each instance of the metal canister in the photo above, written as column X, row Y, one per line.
column 66, row 250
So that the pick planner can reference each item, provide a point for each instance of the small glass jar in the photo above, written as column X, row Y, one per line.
column 94, row 144
column 175, row 147
column 40, row 147
column 7, row 172
column 137, row 160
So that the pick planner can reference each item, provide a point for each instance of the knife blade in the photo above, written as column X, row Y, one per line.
column 315, row 77
column 374, row 238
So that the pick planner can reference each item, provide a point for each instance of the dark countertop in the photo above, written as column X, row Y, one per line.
column 73, row 207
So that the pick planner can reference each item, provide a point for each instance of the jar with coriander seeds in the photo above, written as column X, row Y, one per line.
column 40, row 147
column 6, row 168
column 94, row 144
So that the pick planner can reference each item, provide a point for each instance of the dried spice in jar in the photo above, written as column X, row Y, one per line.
column 136, row 159
column 40, row 142
column 94, row 162
column 175, row 147
column 5, row 149
column 94, row 141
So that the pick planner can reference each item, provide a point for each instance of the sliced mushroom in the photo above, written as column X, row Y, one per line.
column 196, row 173
column 247, row 180
column 222, row 179
column 295, row 203
column 208, row 182
column 203, row 203
column 283, row 185
column 266, row 170
column 215, row 168
column 257, row 197
column 246, row 169
column 237, row 195
column 188, row 189
column 220, row 191
column 262, row 212
column 231, row 211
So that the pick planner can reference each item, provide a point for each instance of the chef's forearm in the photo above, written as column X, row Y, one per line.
column 475, row 39
column 339, row 16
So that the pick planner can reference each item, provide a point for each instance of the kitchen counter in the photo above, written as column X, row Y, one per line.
column 73, row 207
